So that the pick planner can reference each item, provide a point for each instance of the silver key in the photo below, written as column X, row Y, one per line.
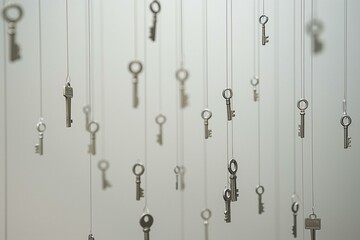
column 294, row 209
column 313, row 223
column 233, row 167
column 155, row 8
column 135, row 68
column 314, row 29
column 302, row 105
column 87, row 111
column 182, row 75
column 68, row 94
column 160, row 120
column 206, row 115
column 227, row 199
column 41, row 127
column 179, row 172
column 227, row 94
column 104, row 165
column 254, row 82
column 6, row 12
column 91, row 237
column 260, row 191
column 345, row 122
column 93, row 129
column 146, row 221
column 206, row 215
column 139, row 190
column 263, row 20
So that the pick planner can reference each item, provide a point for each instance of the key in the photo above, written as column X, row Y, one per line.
column 155, row 8
column 263, row 20
column 87, row 111
column 314, row 29
column 91, row 237
column 139, row 190
column 146, row 222
column 177, row 173
column 233, row 167
column 254, row 82
column 68, row 94
column 93, row 131
column 104, row 165
column 260, row 191
column 11, row 20
column 206, row 215
column 227, row 198
column 41, row 127
column 294, row 209
column 313, row 223
column 182, row 75
column 135, row 68
column 345, row 122
column 302, row 105
column 227, row 94
column 206, row 115
column 160, row 120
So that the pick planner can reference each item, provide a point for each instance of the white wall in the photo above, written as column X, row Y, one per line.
column 48, row 196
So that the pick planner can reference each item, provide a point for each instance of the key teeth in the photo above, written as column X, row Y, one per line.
column 37, row 148
column 294, row 230
column 210, row 133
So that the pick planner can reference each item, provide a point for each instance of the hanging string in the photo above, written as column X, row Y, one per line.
column 312, row 112
column 135, row 30
column 68, row 79
column 181, row 35
column 263, row 7
column 5, row 135
column 176, row 86
column 259, row 100
column 345, row 57
column 103, row 85
column 302, row 33
column 40, row 64
column 294, row 94
column 231, row 75
column 160, row 67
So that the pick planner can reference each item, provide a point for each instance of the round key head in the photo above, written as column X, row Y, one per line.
column 227, row 194
column 263, row 19
column 135, row 67
column 315, row 27
column 302, row 104
column 146, row 221
column 233, row 166
column 182, row 75
column 312, row 216
column 155, row 7
column 86, row 109
column 227, row 93
column 12, row 12
column 41, row 126
column 345, row 121
column 259, row 190
column 206, row 214
column 206, row 114
column 138, row 169
column 177, row 170
column 103, row 165
column 254, row 81
column 93, row 127
column 295, row 207
column 160, row 119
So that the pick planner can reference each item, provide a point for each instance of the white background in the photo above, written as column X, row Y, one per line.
column 48, row 196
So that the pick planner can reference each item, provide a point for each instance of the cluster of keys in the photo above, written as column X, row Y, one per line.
column 231, row 194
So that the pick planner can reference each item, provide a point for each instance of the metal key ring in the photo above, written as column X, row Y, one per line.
column 254, row 81
column 142, row 169
column 91, row 237
column 86, row 109
column 155, row 9
column 306, row 104
column 206, row 214
column 206, row 114
column 93, row 123
column 132, row 67
column 314, row 27
column 227, row 194
column 182, row 75
column 7, row 8
column 146, row 221
column 103, row 165
column 227, row 93
column 177, row 170
column 295, row 207
column 312, row 216
column 41, row 126
column 345, row 120
column 263, row 19
column 160, row 119
column 233, row 166
column 259, row 190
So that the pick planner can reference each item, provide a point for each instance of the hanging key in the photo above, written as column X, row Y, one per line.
column 87, row 111
column 263, row 20
column 91, row 237
column 146, row 221
column 345, row 122
column 206, row 115
column 227, row 199
column 302, row 105
column 68, row 94
column 155, row 8
column 160, row 120
column 135, row 68
column 255, row 82
column 139, row 190
column 206, row 215
column 182, row 75
column 104, row 165
column 177, row 174
column 314, row 29
column 260, row 191
column 227, row 94
column 233, row 167
column 93, row 129
column 7, row 15
column 41, row 127
column 294, row 209
column 313, row 223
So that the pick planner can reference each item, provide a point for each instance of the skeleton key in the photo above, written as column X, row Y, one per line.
column 254, row 82
column 160, row 120
column 345, row 122
column 302, row 105
column 182, row 75
column 41, row 127
column 260, row 191
column 313, row 223
column 91, row 237
column 263, row 20
column 177, row 173
column 227, row 94
column 206, row 215
column 206, row 115
column 139, row 190
column 155, row 8
column 93, row 131
column 227, row 198
column 104, row 165
column 14, row 47
column 314, row 28
column 146, row 222
column 294, row 209
column 135, row 68
column 233, row 167
column 87, row 111
column 68, row 94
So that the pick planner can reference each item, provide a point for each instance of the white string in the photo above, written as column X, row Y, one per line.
column 135, row 30
column 345, row 57
column 5, row 136
column 40, row 64
column 294, row 94
column 302, row 36
column 160, row 66
column 259, row 100
column 103, row 96
column 263, row 7
column 312, row 112
column 68, row 79
column 181, row 35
